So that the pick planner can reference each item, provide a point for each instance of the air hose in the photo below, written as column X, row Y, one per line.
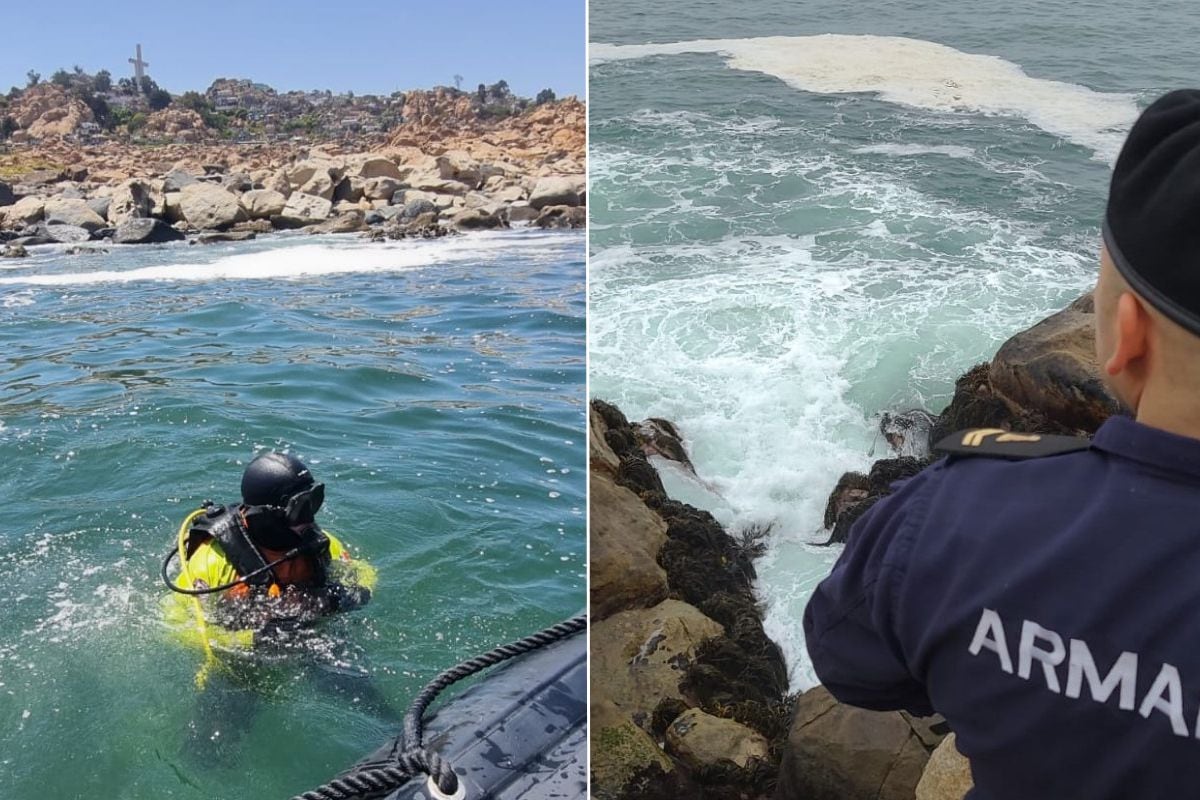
column 373, row 782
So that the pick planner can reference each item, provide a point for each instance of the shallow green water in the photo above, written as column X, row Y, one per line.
column 805, row 215
column 435, row 387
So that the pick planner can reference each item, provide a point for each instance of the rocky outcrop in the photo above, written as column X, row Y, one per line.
column 701, row 649
column 473, row 171
column 175, row 124
column 838, row 752
column 46, row 111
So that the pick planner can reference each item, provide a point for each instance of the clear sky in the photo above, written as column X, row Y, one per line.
column 367, row 48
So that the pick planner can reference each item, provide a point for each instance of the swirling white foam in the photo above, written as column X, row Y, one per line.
column 916, row 73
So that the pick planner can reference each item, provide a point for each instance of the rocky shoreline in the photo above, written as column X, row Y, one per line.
column 428, row 180
column 688, row 693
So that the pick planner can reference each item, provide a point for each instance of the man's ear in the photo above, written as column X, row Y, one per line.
column 1133, row 330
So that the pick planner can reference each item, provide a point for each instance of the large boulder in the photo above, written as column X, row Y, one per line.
column 569, row 217
column 7, row 197
column 263, row 203
column 131, row 199
column 176, row 179
column 457, row 165
column 72, row 212
column 416, row 207
column 381, row 187
column 321, row 184
column 1052, row 367
column 100, row 206
column 839, row 752
column 301, row 210
column 619, row 751
column 350, row 222
column 145, row 230
column 67, row 234
column 639, row 657
column 26, row 211
column 304, row 171
column 1043, row 380
column 947, row 776
column 625, row 539
column 375, row 167
column 554, row 191
column 701, row 740
column 475, row 219
column 209, row 207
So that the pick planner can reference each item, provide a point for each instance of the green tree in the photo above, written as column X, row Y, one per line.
column 196, row 102
column 8, row 126
column 158, row 99
column 61, row 78
column 34, row 78
column 99, row 107
column 136, row 122
column 545, row 96
column 102, row 83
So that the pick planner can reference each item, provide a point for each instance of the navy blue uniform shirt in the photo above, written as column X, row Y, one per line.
column 1048, row 608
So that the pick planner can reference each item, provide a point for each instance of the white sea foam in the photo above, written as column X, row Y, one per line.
column 301, row 261
column 915, row 73
column 897, row 149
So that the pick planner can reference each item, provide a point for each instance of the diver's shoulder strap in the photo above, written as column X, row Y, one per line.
column 224, row 525
column 999, row 443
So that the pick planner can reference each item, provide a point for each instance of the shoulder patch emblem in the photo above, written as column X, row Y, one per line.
column 999, row 443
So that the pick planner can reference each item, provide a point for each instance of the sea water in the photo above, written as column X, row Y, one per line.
column 436, row 388
column 805, row 215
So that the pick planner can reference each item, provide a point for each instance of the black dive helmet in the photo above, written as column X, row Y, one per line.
column 278, row 487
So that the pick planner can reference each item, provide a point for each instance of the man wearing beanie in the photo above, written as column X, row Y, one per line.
column 1043, row 593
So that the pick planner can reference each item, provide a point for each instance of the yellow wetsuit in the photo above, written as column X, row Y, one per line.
column 205, row 621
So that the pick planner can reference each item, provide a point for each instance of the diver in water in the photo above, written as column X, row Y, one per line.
column 253, row 580
column 267, row 561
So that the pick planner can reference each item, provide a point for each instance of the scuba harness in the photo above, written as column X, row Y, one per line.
column 227, row 527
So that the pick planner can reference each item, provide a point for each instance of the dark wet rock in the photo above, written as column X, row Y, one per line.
column 838, row 752
column 414, row 209
column 84, row 251
column 561, row 217
column 145, row 231
column 859, row 492
column 32, row 240
column 67, row 234
column 7, row 195
column 374, row 218
column 660, row 437
column 478, row 219
column 226, row 236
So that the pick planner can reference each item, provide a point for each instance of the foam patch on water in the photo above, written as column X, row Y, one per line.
column 901, row 150
column 917, row 73
column 303, row 261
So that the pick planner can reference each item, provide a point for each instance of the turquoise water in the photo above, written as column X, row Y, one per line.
column 805, row 215
column 435, row 387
